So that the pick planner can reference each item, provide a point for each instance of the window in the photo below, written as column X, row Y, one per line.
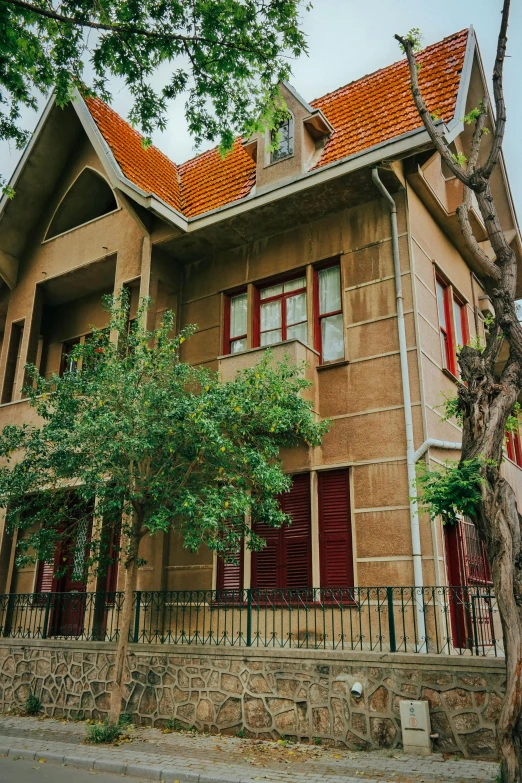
column 329, row 338
column 236, row 328
column 335, row 531
column 452, row 325
column 285, row 147
column 285, row 561
column 69, row 364
column 514, row 447
column 282, row 312
column 12, row 368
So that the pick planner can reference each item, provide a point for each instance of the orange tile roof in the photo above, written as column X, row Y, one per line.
column 380, row 106
column 369, row 111
column 149, row 169
column 210, row 181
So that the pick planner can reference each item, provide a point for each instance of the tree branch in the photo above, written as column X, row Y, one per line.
column 487, row 267
column 425, row 115
column 115, row 28
column 498, row 93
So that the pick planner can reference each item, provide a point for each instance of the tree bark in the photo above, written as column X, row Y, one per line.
column 131, row 579
column 486, row 401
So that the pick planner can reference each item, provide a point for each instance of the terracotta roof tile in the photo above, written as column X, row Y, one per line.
column 380, row 107
column 210, row 181
column 364, row 113
column 149, row 169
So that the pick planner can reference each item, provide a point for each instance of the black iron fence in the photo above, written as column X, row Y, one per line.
column 442, row 620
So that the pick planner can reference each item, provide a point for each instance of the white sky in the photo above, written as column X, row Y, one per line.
column 348, row 39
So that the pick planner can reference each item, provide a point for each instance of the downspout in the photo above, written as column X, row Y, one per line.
column 408, row 419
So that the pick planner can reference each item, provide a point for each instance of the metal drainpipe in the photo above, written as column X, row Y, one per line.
column 408, row 420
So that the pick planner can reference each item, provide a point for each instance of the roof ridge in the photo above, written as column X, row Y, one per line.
column 387, row 67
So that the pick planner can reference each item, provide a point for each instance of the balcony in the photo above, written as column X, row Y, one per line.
column 294, row 351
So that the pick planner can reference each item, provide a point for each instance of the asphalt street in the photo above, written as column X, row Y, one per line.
column 22, row 771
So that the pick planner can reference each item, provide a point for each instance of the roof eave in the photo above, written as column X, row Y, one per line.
column 394, row 147
column 4, row 200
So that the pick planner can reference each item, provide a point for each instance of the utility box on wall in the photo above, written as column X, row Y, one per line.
column 415, row 724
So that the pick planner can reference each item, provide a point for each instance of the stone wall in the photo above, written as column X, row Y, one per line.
column 299, row 693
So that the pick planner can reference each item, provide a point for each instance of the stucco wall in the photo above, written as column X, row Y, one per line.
column 299, row 693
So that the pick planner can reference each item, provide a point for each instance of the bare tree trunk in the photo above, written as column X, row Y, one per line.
column 131, row 579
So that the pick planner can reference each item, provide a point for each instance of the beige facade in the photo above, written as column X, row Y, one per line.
column 286, row 231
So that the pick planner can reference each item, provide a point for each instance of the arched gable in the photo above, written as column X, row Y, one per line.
column 89, row 197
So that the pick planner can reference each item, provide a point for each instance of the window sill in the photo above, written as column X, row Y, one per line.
column 450, row 375
column 336, row 363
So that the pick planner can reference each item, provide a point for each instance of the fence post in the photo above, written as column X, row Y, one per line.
column 137, row 616
column 249, row 617
column 47, row 612
column 391, row 619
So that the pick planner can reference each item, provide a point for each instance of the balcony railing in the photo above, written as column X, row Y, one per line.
column 457, row 620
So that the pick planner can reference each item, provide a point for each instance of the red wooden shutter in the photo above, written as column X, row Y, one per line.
column 265, row 563
column 335, row 531
column 285, row 561
column 44, row 579
column 230, row 575
column 295, row 550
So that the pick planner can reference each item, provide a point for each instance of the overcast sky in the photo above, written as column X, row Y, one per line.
column 349, row 39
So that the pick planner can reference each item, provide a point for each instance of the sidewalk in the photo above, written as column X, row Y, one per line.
column 196, row 758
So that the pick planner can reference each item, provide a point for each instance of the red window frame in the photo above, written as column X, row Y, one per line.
column 284, row 295
column 318, row 316
column 514, row 447
column 448, row 338
column 227, row 339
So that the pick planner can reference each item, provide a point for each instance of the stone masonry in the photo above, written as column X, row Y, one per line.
column 301, row 694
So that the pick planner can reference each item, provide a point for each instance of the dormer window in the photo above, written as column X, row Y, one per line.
column 284, row 135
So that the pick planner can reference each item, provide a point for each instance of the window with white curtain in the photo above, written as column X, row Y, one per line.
column 330, row 314
column 282, row 312
column 238, row 323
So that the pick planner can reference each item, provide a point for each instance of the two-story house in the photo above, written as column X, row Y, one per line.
column 291, row 247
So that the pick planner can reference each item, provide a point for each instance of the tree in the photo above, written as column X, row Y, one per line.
column 151, row 443
column 228, row 56
column 486, row 400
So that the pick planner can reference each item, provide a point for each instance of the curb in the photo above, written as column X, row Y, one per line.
column 167, row 774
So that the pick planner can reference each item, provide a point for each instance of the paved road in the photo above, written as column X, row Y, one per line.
column 22, row 771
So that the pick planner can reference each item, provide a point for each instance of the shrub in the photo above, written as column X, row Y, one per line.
column 98, row 733
column 33, row 705
column 173, row 724
column 125, row 720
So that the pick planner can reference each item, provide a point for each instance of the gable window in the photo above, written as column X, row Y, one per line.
column 285, row 134
column 452, row 325
column 282, row 312
column 236, row 323
column 329, row 336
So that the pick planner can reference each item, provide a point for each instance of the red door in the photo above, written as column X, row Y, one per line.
column 469, row 578
column 69, row 604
